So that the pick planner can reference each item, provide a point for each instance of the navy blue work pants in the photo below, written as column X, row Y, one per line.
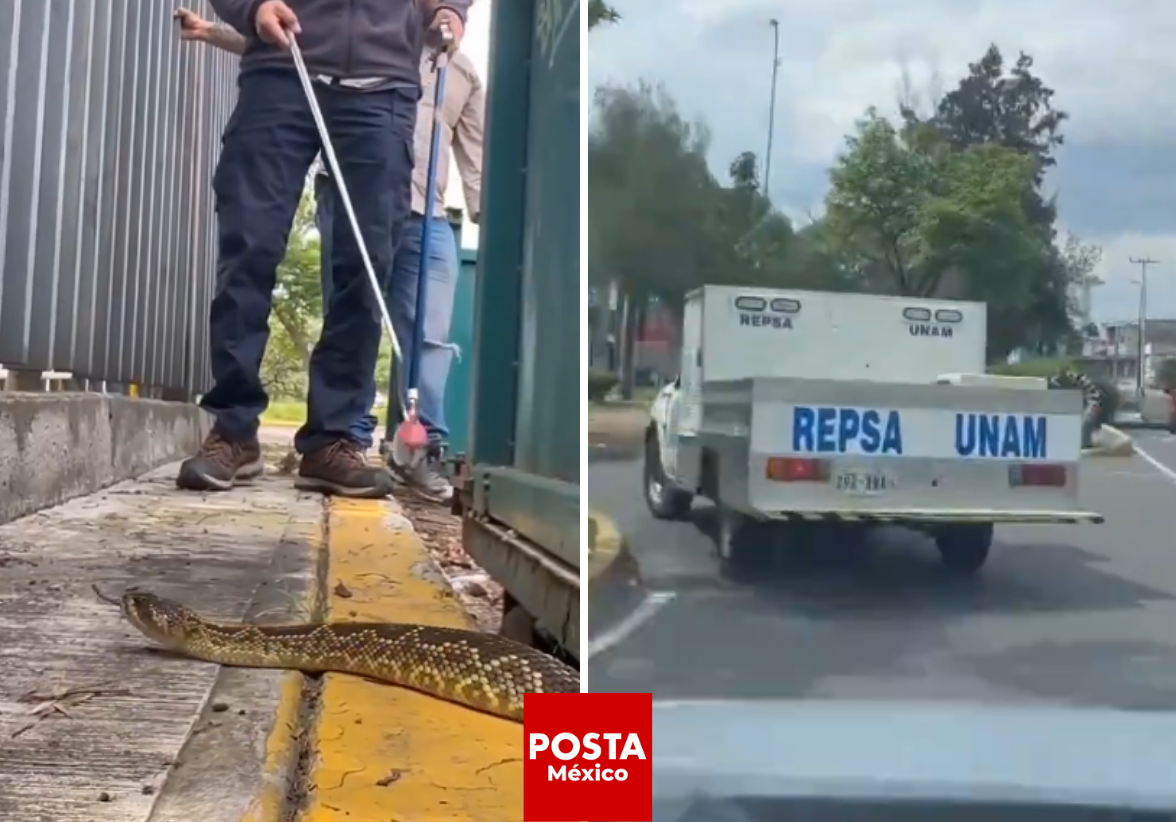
column 268, row 146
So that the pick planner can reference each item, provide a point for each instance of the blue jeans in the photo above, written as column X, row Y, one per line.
column 268, row 145
column 401, row 292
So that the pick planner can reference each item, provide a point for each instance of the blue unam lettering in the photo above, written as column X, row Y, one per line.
column 832, row 430
column 928, row 330
column 1001, row 436
column 765, row 321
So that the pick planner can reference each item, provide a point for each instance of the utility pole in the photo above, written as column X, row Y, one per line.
column 775, row 24
column 1143, row 263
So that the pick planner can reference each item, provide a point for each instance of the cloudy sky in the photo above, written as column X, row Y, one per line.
column 1116, row 177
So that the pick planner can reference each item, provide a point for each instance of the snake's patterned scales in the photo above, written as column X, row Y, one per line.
column 482, row 671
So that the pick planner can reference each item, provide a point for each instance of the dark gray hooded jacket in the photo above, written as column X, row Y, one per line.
column 345, row 38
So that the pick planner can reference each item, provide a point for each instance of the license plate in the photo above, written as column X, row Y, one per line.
column 862, row 483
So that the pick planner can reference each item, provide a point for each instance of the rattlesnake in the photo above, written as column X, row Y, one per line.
column 482, row 671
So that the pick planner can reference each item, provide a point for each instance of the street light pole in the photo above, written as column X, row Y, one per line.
column 775, row 24
column 1143, row 263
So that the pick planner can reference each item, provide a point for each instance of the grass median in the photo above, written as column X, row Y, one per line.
column 292, row 413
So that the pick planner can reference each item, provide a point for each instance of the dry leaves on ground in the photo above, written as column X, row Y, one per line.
column 44, row 705
column 440, row 532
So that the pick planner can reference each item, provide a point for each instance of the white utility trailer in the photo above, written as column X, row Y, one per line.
column 849, row 410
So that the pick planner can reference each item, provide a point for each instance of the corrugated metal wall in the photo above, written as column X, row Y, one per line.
column 111, row 129
column 527, row 346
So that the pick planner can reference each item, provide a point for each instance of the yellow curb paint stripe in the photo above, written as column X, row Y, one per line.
column 281, row 752
column 381, row 752
column 604, row 543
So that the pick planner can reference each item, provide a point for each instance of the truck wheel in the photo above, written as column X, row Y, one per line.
column 742, row 545
column 964, row 549
column 664, row 499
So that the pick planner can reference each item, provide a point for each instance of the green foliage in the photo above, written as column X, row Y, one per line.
column 659, row 222
column 297, row 312
column 600, row 382
column 949, row 205
column 297, row 316
column 287, row 413
column 600, row 12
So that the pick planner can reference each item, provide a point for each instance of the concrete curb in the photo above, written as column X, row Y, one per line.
column 373, row 751
column 57, row 447
column 609, row 557
column 296, row 701
column 605, row 544
column 1115, row 444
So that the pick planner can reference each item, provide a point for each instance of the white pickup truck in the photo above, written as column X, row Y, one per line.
column 845, row 411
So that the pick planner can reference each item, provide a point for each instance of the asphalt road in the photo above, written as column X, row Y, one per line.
column 1077, row 615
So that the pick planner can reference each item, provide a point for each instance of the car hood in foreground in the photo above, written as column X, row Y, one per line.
column 937, row 752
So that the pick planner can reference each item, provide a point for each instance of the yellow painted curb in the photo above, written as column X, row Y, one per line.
column 605, row 543
column 380, row 752
column 281, row 754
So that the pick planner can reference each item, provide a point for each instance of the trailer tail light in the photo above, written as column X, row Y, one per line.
column 1037, row 475
column 794, row 469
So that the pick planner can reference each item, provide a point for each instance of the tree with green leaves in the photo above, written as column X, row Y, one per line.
column 651, row 197
column 878, row 187
column 297, row 311
column 910, row 214
column 296, row 319
column 600, row 12
column 1011, row 107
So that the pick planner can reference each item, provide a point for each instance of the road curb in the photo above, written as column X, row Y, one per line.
column 605, row 543
column 280, row 763
column 283, row 746
column 608, row 551
column 374, row 751
column 1119, row 444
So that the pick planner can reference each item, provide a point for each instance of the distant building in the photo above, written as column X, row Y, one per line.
column 1114, row 353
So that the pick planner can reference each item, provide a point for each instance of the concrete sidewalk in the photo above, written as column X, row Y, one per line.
column 95, row 727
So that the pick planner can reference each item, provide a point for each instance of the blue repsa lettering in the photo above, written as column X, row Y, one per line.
column 826, row 430
column 1001, row 436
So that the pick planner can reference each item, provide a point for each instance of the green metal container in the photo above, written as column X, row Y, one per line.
column 461, row 333
column 524, row 447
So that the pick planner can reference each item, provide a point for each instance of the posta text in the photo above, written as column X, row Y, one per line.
column 588, row 757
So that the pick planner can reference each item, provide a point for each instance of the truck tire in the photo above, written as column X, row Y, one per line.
column 664, row 499
column 743, row 545
column 964, row 548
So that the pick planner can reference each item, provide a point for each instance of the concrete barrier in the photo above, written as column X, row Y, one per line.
column 55, row 447
column 1110, row 442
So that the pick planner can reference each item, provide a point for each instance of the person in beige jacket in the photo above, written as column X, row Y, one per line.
column 461, row 138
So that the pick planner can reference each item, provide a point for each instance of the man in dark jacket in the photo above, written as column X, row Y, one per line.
column 364, row 58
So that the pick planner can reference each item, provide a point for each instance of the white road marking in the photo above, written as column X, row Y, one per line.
column 1155, row 463
column 626, row 627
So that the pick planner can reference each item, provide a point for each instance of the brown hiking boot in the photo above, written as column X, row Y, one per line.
column 342, row 469
column 220, row 465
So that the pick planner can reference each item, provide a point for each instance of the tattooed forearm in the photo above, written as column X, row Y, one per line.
column 225, row 37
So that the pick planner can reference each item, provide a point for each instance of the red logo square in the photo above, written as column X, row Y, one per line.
column 588, row 757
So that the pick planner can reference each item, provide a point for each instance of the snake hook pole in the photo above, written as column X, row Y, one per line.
column 328, row 154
